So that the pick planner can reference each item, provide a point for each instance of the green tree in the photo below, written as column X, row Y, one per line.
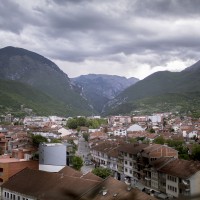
column 72, row 123
column 81, row 121
column 102, row 172
column 195, row 152
column 152, row 130
column 86, row 136
column 55, row 140
column 37, row 139
column 159, row 140
column 77, row 162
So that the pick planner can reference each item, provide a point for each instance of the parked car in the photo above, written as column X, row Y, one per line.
column 88, row 162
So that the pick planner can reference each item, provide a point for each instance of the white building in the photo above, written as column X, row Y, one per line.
column 52, row 157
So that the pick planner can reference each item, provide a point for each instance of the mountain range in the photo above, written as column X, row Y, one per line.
column 29, row 79
column 98, row 89
column 45, row 77
column 163, row 91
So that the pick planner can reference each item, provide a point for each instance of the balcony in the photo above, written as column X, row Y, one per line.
column 147, row 178
column 185, row 186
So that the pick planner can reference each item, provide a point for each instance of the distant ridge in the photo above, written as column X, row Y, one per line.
column 98, row 89
column 182, row 83
column 30, row 68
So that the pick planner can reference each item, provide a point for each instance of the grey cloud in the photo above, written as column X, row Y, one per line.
column 77, row 30
column 14, row 18
column 169, row 8
column 10, row 15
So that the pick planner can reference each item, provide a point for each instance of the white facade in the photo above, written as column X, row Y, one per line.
column 52, row 156
column 120, row 132
column 135, row 128
column 12, row 195
column 190, row 135
column 50, row 168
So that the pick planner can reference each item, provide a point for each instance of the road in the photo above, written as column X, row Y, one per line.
column 84, row 152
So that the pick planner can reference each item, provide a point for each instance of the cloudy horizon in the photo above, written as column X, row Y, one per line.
column 130, row 38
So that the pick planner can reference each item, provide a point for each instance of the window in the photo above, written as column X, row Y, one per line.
column 174, row 189
column 126, row 170
column 18, row 198
column 130, row 163
column 4, row 194
column 125, row 162
column 171, row 178
column 130, row 171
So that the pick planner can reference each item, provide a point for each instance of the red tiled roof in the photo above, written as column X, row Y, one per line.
column 177, row 167
column 115, row 190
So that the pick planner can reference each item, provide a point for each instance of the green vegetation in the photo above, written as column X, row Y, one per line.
column 77, row 162
column 162, row 92
column 176, row 144
column 102, row 172
column 14, row 94
column 183, row 103
column 47, row 84
column 74, row 123
column 196, row 152
column 37, row 139
column 86, row 136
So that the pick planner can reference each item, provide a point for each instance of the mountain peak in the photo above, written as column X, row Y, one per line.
column 194, row 67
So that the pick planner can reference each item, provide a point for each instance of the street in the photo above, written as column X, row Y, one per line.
column 84, row 153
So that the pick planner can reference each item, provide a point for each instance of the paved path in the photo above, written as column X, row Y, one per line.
column 84, row 152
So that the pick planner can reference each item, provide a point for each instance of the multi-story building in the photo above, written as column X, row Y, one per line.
column 100, row 154
column 134, row 158
column 11, row 166
column 177, row 177
column 119, row 120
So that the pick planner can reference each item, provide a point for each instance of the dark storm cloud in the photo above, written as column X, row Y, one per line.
column 169, row 8
column 149, row 32
column 13, row 18
column 10, row 15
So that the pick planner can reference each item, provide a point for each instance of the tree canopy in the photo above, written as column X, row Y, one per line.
column 102, row 172
column 77, row 162
column 76, row 122
column 37, row 139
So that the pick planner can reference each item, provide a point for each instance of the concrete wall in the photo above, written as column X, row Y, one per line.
column 50, row 168
column 195, row 184
column 52, row 154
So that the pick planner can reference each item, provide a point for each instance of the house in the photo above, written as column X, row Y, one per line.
column 119, row 132
column 67, row 184
column 100, row 154
column 98, row 134
column 119, row 120
column 64, row 132
column 177, row 177
column 11, row 166
column 133, row 159
column 135, row 128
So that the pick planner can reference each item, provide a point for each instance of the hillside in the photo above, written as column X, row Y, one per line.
column 157, row 86
column 42, row 74
column 98, row 89
column 13, row 94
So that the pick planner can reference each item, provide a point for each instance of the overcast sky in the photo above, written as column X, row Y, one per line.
column 132, row 38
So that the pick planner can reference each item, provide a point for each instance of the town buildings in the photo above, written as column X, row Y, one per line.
column 152, row 168
column 67, row 184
